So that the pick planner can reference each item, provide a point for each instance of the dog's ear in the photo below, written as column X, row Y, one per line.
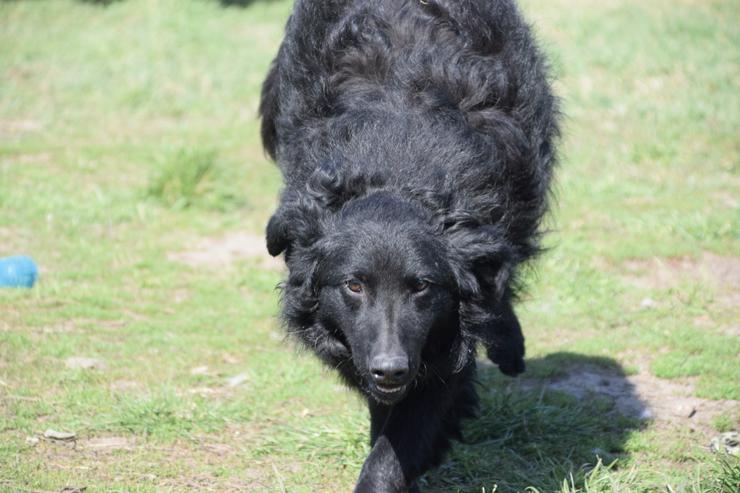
column 303, row 213
column 296, row 223
column 300, row 219
column 278, row 237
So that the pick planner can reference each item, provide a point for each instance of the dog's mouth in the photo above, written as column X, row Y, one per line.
column 388, row 394
column 390, row 389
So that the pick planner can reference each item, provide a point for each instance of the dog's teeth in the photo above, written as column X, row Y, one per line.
column 390, row 390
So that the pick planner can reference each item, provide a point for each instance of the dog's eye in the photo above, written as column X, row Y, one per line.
column 354, row 286
column 420, row 285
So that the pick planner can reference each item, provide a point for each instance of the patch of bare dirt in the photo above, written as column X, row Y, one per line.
column 727, row 199
column 33, row 158
column 124, row 386
column 643, row 396
column 734, row 329
column 83, row 363
column 222, row 252
column 78, row 325
column 658, row 273
column 721, row 273
column 15, row 127
column 108, row 444
column 183, row 465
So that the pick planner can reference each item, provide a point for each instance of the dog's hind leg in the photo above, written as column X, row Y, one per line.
column 505, row 342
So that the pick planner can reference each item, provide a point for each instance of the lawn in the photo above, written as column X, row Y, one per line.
column 131, row 170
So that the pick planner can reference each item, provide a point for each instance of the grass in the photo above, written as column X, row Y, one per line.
column 128, row 133
column 191, row 178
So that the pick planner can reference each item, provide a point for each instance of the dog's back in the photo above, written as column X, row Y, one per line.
column 448, row 99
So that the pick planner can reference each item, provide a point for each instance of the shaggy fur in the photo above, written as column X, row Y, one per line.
column 416, row 139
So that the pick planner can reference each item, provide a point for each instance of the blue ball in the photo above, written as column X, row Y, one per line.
column 18, row 271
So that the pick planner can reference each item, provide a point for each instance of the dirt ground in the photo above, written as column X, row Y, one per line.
column 220, row 252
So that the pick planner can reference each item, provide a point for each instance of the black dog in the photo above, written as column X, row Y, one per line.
column 416, row 141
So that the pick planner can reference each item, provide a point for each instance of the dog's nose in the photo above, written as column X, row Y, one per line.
column 389, row 369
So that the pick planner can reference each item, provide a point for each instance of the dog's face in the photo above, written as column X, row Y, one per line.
column 385, row 289
column 383, row 282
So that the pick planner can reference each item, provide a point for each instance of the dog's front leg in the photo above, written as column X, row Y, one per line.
column 406, row 440
column 505, row 341
column 382, row 471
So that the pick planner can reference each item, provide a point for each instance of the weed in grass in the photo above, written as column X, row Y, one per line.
column 728, row 474
column 192, row 178
column 724, row 423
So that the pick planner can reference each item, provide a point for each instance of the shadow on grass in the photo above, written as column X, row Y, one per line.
column 531, row 435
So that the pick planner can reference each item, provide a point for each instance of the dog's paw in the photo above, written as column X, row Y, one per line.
column 509, row 358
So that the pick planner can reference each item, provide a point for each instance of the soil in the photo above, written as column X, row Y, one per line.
column 125, row 458
column 217, row 253
column 720, row 272
column 15, row 127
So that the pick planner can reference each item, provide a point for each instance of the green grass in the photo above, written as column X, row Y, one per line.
column 192, row 178
column 128, row 133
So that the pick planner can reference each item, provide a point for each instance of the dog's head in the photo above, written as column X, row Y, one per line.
column 378, row 279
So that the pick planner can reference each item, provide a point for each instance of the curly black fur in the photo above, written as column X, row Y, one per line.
column 435, row 115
